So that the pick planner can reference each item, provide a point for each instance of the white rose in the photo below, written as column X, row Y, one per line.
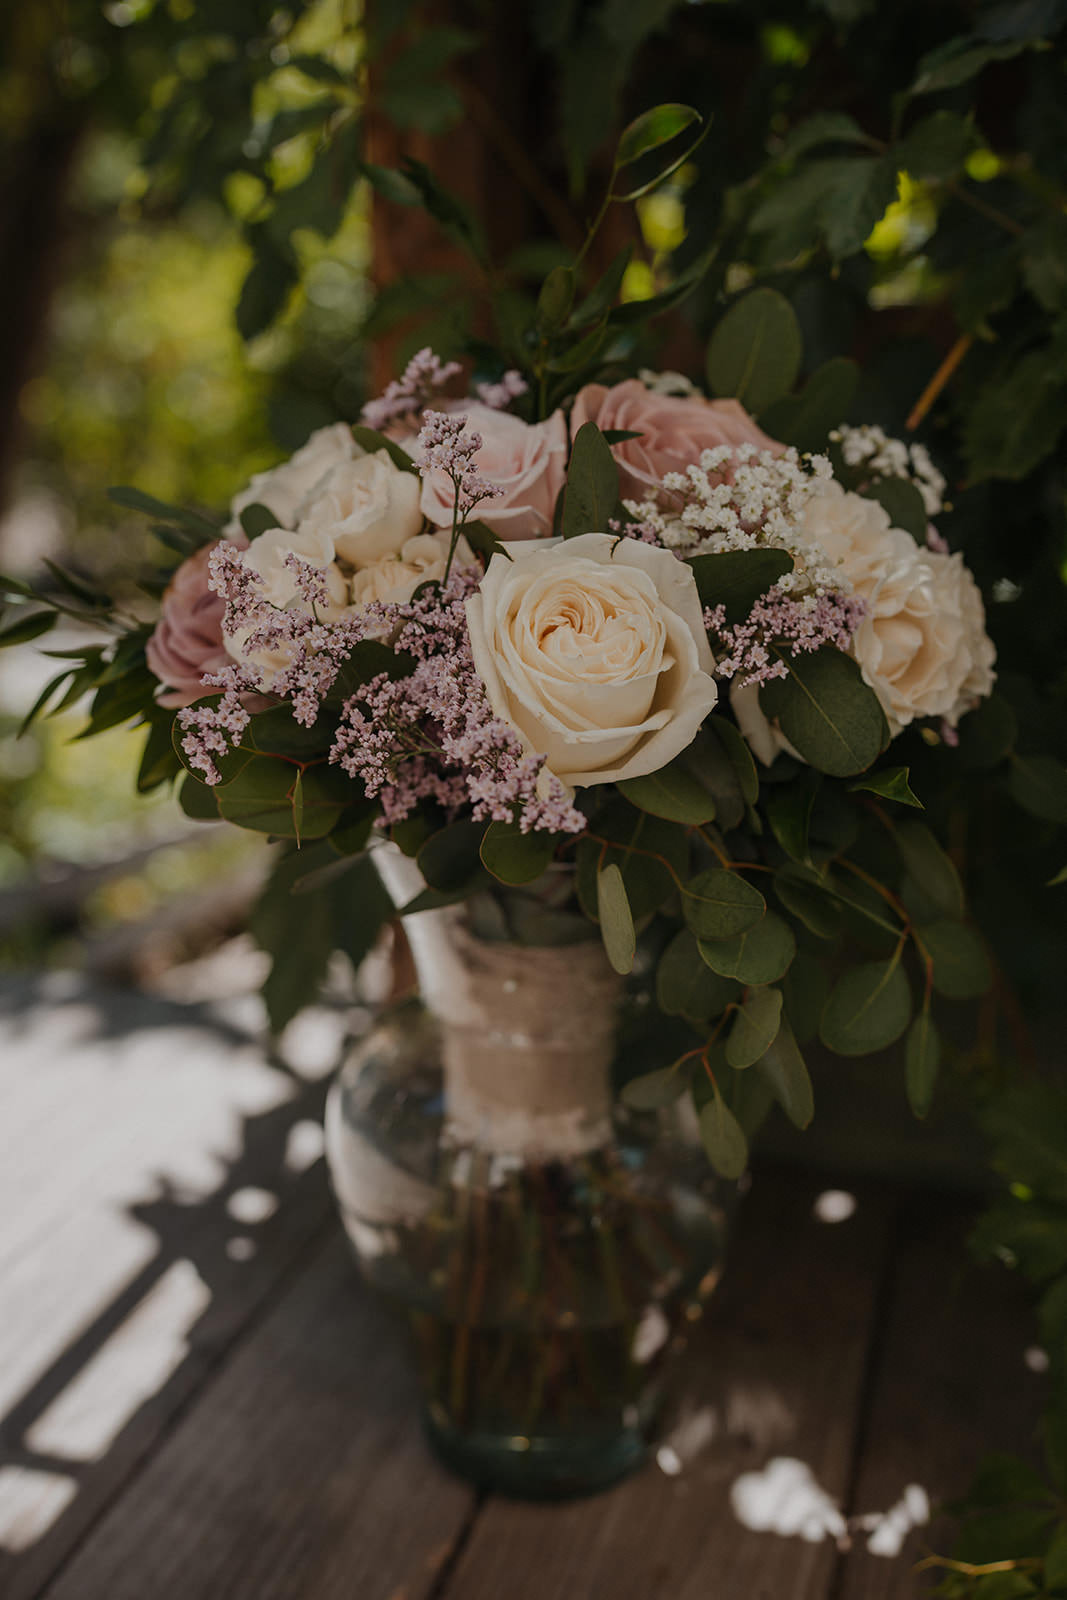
column 594, row 650
column 283, row 489
column 369, row 507
column 393, row 579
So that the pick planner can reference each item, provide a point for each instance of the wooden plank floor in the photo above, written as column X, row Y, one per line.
column 204, row 1403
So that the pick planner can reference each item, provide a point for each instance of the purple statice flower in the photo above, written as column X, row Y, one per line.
column 424, row 377
column 447, row 445
column 743, row 648
column 936, row 541
column 287, row 652
column 433, row 734
column 211, row 731
column 498, row 396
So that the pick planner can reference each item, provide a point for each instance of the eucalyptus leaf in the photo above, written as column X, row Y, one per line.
column 514, row 856
column 782, row 1064
column 809, row 903
column 652, row 1090
column 592, row 490
column 755, row 352
column 672, row 793
column 198, row 800
column 761, row 955
column 987, row 734
column 739, row 756
column 1039, row 785
column 686, row 986
column 256, row 519
column 650, row 852
column 450, row 860
column 789, row 807
column 736, row 579
column 961, row 965
column 370, row 440
column 755, row 1027
column 723, row 1138
column 719, row 904
column 616, row 919
column 826, row 711
column 922, row 1061
column 930, row 867
column 555, row 300
column 903, row 503
column 868, row 1009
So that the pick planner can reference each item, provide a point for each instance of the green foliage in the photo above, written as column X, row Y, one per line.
column 755, row 351
column 755, row 1027
column 719, row 904
column 514, row 856
column 763, row 954
column 806, row 420
column 782, row 1065
column 615, row 918
column 922, row 1062
column 592, row 490
column 827, row 712
column 724, row 1138
column 868, row 1009
column 736, row 579
column 686, row 985
column 343, row 913
column 673, row 793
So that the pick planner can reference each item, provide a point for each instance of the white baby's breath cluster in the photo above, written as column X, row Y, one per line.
column 740, row 498
column 870, row 446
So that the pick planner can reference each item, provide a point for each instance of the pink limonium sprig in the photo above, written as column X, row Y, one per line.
column 743, row 649
column 425, row 376
column 287, row 652
column 447, row 445
column 498, row 396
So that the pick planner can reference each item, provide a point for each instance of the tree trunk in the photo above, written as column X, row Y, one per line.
column 33, row 217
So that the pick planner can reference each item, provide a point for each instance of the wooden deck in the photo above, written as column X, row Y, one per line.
column 201, row 1401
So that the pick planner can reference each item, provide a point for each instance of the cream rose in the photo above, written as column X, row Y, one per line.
column 369, row 507
column 393, row 578
column 285, row 488
column 594, row 650
column 525, row 460
column 922, row 646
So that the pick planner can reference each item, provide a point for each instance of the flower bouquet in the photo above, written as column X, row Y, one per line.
column 611, row 693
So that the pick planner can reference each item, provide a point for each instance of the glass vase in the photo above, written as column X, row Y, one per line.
column 548, row 1247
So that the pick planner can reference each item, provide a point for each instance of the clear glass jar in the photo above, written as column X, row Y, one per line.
column 548, row 1247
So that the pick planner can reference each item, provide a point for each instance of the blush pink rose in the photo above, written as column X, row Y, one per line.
column 674, row 430
column 187, row 641
column 526, row 460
